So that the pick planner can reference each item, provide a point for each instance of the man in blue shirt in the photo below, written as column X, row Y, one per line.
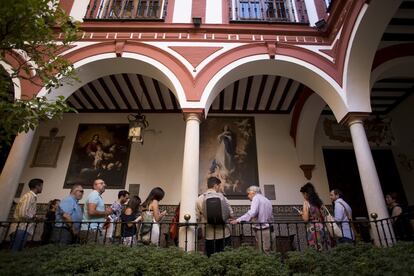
column 94, row 214
column 68, row 217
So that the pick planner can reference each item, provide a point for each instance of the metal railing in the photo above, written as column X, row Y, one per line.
column 126, row 9
column 264, row 11
column 280, row 236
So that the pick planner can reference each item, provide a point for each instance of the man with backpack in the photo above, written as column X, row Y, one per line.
column 261, row 213
column 213, row 211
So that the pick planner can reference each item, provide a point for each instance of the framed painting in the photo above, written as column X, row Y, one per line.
column 100, row 151
column 228, row 152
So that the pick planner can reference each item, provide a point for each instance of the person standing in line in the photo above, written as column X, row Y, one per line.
column 49, row 221
column 313, row 216
column 68, row 217
column 129, row 217
column 261, row 212
column 400, row 221
column 150, row 229
column 217, row 236
column 25, row 215
column 343, row 216
column 94, row 214
column 117, row 208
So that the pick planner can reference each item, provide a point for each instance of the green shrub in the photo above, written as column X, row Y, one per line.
column 362, row 259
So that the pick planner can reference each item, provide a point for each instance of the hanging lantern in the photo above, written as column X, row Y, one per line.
column 137, row 125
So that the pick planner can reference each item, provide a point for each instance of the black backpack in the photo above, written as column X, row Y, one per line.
column 215, row 209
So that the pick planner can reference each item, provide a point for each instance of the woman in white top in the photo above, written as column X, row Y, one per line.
column 151, row 209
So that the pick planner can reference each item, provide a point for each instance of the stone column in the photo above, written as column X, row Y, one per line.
column 190, row 179
column 374, row 198
column 12, row 171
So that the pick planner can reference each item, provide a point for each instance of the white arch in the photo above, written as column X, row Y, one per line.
column 398, row 67
column 365, row 38
column 305, row 135
column 16, row 81
column 97, row 66
column 289, row 67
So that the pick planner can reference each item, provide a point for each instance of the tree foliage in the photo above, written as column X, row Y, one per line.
column 32, row 32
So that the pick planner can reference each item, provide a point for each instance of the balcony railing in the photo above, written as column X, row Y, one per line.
column 267, row 11
column 126, row 9
column 282, row 235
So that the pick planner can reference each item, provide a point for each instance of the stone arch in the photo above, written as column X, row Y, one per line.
column 285, row 66
column 363, row 44
column 102, row 59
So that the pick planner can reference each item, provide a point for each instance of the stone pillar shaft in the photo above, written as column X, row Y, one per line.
column 12, row 171
column 190, row 178
column 374, row 198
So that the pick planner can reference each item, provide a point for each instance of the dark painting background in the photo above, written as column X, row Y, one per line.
column 233, row 160
column 100, row 151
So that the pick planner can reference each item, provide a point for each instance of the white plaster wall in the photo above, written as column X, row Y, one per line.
column 214, row 13
column 159, row 161
column 182, row 11
column 312, row 14
column 79, row 9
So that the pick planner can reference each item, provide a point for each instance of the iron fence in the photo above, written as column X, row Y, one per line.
column 279, row 236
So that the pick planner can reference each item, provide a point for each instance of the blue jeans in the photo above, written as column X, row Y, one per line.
column 19, row 239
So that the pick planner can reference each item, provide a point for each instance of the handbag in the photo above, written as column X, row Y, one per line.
column 333, row 228
column 146, row 227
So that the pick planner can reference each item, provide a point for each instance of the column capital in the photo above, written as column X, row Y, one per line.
column 354, row 117
column 193, row 114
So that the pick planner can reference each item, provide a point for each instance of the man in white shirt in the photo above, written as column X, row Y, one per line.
column 343, row 214
column 261, row 212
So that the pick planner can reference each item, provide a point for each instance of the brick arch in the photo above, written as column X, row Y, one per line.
column 301, row 65
column 123, row 48
column 262, row 48
column 23, row 88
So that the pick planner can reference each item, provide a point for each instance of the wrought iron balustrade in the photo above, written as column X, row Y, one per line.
column 126, row 9
column 284, row 235
column 267, row 11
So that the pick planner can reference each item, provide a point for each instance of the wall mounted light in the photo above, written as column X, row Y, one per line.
column 197, row 21
column 137, row 125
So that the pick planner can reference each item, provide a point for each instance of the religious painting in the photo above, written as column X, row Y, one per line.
column 100, row 151
column 228, row 152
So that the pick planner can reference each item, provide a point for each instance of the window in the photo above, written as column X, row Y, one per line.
column 126, row 9
column 263, row 10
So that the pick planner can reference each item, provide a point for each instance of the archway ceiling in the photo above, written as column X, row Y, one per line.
column 132, row 92
column 387, row 94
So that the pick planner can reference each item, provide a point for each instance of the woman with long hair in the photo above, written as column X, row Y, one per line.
column 150, row 230
column 129, row 217
column 312, row 214
column 49, row 220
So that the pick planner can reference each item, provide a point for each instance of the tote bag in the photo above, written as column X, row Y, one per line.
column 334, row 230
